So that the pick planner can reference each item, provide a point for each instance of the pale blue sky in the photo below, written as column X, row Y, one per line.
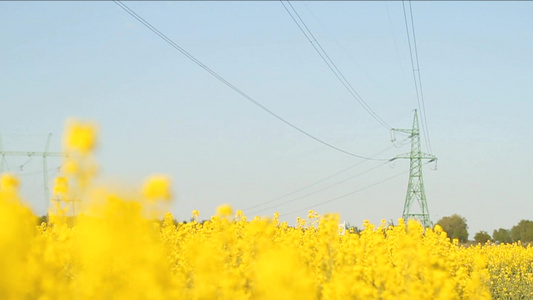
column 160, row 113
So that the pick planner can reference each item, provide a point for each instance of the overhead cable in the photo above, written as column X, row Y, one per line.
column 233, row 87
column 416, row 72
column 329, row 62
column 347, row 194
column 319, row 190
column 271, row 201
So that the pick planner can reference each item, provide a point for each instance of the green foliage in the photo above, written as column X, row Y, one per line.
column 455, row 226
column 351, row 228
column 42, row 219
column 482, row 237
column 502, row 236
column 523, row 231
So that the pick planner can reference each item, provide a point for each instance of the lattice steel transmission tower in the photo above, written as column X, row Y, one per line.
column 415, row 189
column 44, row 155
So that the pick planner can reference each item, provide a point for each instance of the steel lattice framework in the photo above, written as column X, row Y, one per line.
column 415, row 189
column 44, row 155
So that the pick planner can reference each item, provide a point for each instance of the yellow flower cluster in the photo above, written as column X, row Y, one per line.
column 80, row 137
column 115, row 250
column 157, row 188
column 511, row 270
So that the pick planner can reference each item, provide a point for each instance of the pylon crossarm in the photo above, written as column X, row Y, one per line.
column 402, row 156
column 428, row 156
column 406, row 131
column 431, row 157
column 31, row 153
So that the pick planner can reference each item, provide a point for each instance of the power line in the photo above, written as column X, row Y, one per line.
column 420, row 79
column 416, row 71
column 305, row 187
column 320, row 190
column 354, row 192
column 348, row 194
column 331, row 65
column 412, row 63
column 316, row 182
column 233, row 87
column 391, row 27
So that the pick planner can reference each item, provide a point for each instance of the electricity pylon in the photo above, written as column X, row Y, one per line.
column 30, row 154
column 415, row 189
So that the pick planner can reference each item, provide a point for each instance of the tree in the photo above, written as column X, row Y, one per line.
column 482, row 237
column 502, row 235
column 455, row 226
column 523, row 231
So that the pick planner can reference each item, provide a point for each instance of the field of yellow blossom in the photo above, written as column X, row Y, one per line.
column 117, row 248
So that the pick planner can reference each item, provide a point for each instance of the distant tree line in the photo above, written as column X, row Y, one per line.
column 456, row 228
column 523, row 232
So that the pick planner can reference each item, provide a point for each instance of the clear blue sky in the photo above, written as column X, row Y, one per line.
column 160, row 113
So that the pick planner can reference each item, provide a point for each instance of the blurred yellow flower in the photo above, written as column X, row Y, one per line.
column 195, row 214
column 80, row 136
column 61, row 186
column 157, row 187
column 224, row 210
column 8, row 182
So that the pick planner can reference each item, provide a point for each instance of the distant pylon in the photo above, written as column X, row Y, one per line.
column 415, row 189
column 30, row 154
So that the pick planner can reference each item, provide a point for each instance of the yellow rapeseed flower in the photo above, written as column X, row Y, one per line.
column 156, row 188
column 224, row 210
column 80, row 136
column 61, row 186
column 195, row 214
column 8, row 182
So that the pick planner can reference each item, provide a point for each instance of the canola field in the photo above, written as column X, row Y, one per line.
column 117, row 248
